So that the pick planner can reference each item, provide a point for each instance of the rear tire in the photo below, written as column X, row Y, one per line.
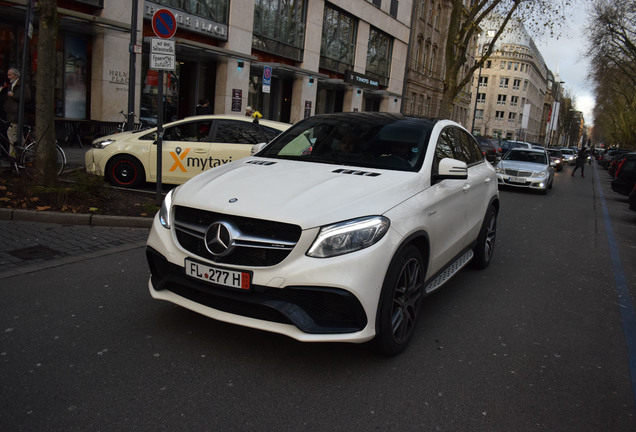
column 400, row 301
column 125, row 171
column 485, row 247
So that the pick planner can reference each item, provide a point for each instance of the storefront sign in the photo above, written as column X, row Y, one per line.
column 237, row 100
column 190, row 22
column 307, row 109
column 361, row 80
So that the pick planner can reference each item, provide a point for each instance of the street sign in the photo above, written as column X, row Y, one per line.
column 267, row 79
column 164, row 24
column 162, row 54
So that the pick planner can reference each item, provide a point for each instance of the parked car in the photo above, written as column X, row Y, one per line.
column 625, row 176
column 569, row 156
column 190, row 146
column 556, row 158
column 489, row 149
column 632, row 198
column 526, row 168
column 615, row 162
column 608, row 156
column 334, row 232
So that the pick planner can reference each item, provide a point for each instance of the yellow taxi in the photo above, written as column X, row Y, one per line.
column 189, row 147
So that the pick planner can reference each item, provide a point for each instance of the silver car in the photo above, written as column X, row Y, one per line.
column 568, row 156
column 527, row 168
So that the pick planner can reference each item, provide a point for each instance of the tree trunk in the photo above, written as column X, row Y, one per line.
column 46, row 167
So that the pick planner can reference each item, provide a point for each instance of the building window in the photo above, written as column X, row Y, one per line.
column 379, row 53
column 512, row 117
column 214, row 10
column 501, row 99
column 483, row 82
column 516, row 84
column 339, row 31
column 394, row 8
column 488, row 64
column 481, row 97
column 514, row 100
column 525, row 85
column 279, row 27
column 479, row 114
column 503, row 83
column 499, row 115
column 423, row 9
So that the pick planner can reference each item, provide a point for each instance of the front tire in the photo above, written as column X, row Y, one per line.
column 124, row 171
column 400, row 302
column 485, row 247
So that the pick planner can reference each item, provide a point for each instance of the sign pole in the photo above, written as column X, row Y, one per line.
column 159, row 137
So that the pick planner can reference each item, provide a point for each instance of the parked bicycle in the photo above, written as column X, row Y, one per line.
column 122, row 126
column 25, row 154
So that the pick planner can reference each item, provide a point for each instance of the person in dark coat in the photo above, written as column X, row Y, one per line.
column 12, row 104
column 204, row 108
column 580, row 161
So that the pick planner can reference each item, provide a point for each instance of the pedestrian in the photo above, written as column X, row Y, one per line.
column 248, row 111
column 580, row 161
column 12, row 106
column 204, row 107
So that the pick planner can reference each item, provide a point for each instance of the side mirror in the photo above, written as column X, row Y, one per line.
column 451, row 169
column 257, row 147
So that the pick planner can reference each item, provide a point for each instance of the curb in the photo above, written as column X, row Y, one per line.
column 20, row 215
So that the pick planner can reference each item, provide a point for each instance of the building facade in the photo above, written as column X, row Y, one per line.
column 287, row 59
column 509, row 91
column 425, row 74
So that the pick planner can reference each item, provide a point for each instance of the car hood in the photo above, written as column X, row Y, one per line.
column 522, row 166
column 303, row 193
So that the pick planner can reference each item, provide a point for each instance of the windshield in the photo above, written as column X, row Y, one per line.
column 361, row 140
column 526, row 156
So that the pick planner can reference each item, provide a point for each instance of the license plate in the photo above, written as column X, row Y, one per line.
column 219, row 276
column 516, row 179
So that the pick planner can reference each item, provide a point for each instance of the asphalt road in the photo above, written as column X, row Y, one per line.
column 536, row 342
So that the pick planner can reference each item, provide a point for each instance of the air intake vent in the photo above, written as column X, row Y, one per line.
column 260, row 162
column 356, row 172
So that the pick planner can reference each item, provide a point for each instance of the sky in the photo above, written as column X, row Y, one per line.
column 567, row 56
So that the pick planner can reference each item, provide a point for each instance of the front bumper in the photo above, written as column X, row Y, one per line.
column 308, row 299
column 539, row 183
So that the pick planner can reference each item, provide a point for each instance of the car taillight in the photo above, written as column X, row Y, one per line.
column 618, row 168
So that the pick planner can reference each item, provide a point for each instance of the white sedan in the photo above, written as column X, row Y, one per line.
column 526, row 168
column 189, row 147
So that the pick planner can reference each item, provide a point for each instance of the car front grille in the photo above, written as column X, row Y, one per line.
column 267, row 244
column 518, row 173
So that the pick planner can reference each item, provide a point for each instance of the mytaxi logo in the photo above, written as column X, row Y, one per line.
column 178, row 157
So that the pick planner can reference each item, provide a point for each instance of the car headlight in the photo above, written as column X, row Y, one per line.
column 103, row 144
column 348, row 236
column 539, row 174
column 165, row 217
column 499, row 169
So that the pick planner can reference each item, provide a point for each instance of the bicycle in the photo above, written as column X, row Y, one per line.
column 122, row 126
column 26, row 153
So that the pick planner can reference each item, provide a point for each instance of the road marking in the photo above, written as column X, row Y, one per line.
column 628, row 316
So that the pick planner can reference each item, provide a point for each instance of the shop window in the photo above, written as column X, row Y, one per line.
column 75, row 80
column 339, row 32
column 215, row 10
column 279, row 27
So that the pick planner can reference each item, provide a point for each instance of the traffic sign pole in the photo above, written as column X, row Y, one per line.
column 162, row 55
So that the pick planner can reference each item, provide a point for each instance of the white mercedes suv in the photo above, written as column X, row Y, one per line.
column 335, row 231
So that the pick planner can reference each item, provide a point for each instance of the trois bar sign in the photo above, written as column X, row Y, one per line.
column 189, row 22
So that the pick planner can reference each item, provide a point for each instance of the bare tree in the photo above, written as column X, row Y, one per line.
column 465, row 26
column 612, row 46
column 46, row 168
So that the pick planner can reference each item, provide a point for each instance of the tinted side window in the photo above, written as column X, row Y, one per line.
column 270, row 133
column 238, row 132
column 445, row 145
column 467, row 149
column 191, row 132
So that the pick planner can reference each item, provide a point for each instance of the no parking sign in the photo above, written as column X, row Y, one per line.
column 164, row 24
column 267, row 79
